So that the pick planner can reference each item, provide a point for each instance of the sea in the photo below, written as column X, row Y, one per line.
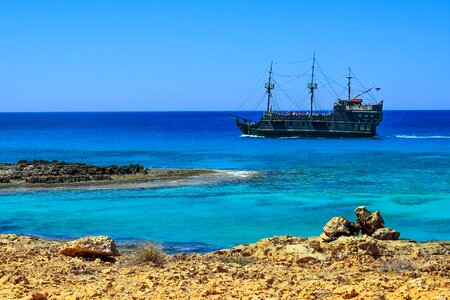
column 404, row 172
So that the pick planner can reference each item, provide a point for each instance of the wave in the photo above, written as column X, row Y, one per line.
column 240, row 174
column 404, row 136
column 251, row 136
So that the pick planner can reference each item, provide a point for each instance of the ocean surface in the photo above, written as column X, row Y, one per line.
column 404, row 172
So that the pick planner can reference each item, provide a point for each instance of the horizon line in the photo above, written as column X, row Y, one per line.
column 181, row 111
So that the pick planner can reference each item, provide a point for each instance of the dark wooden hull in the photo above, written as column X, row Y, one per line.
column 311, row 129
column 347, row 120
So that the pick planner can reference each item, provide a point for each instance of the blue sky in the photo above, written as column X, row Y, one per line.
column 208, row 55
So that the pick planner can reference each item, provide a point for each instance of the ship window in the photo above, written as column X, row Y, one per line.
column 371, row 116
column 366, row 116
column 303, row 124
column 360, row 115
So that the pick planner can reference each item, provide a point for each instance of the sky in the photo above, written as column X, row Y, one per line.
column 209, row 55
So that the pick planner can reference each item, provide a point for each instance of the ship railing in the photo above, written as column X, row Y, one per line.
column 300, row 116
column 359, row 107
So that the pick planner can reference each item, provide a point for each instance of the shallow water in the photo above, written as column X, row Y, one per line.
column 404, row 172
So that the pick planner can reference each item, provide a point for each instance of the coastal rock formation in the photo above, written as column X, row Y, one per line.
column 386, row 234
column 91, row 246
column 340, row 226
column 283, row 267
column 42, row 174
column 42, row 171
column 368, row 222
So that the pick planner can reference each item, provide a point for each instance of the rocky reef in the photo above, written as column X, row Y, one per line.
column 43, row 171
column 344, row 267
column 54, row 174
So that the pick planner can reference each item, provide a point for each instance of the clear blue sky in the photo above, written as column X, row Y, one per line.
column 208, row 55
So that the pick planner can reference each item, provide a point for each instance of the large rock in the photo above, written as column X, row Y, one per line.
column 368, row 222
column 386, row 234
column 102, row 246
column 340, row 226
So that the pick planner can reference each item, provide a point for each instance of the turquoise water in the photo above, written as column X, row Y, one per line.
column 404, row 173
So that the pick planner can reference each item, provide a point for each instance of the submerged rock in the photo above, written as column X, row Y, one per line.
column 386, row 234
column 340, row 226
column 102, row 246
column 368, row 222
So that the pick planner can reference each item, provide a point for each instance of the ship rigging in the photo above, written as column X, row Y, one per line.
column 350, row 117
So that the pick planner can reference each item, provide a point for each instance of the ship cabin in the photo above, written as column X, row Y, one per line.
column 356, row 111
column 356, row 104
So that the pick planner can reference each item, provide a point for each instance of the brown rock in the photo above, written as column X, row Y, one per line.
column 386, row 234
column 221, row 269
column 326, row 238
column 340, row 226
column 38, row 296
column 91, row 246
column 367, row 221
column 306, row 259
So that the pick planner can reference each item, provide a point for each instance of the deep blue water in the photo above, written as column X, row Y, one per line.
column 404, row 173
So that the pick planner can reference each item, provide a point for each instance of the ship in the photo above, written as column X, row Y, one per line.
column 350, row 117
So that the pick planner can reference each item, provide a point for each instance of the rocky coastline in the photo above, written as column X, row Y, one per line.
column 42, row 174
column 342, row 263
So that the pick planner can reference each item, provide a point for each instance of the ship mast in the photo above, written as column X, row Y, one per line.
column 348, row 85
column 269, row 87
column 312, row 85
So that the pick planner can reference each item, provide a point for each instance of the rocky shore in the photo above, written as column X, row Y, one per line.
column 54, row 174
column 347, row 266
column 275, row 268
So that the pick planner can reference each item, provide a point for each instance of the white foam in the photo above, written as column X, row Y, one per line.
column 251, row 136
column 240, row 174
column 401, row 136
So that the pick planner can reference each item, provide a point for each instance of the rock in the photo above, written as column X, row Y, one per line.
column 340, row 226
column 270, row 281
column 368, row 222
column 38, row 296
column 306, row 259
column 102, row 246
column 346, row 247
column 221, row 269
column 386, row 234
column 42, row 171
column 302, row 254
column 326, row 238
